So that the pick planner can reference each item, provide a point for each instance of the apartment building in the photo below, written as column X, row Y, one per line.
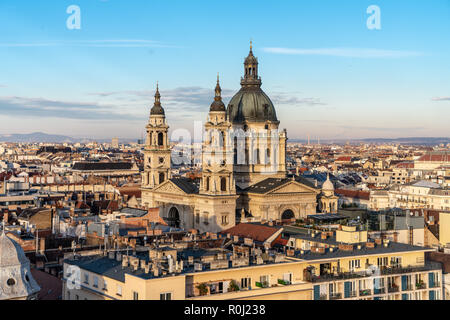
column 322, row 265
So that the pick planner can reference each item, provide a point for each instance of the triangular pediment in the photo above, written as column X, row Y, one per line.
column 293, row 187
column 169, row 187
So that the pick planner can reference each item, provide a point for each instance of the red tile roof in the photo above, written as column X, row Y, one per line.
column 346, row 159
column 256, row 232
column 406, row 165
column 358, row 194
column 51, row 286
column 435, row 157
column 131, row 191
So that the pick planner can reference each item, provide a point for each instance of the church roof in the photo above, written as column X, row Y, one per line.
column 94, row 166
column 185, row 184
column 270, row 184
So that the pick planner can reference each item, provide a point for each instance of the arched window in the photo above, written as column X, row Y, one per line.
column 223, row 184
column 207, row 184
column 160, row 139
column 258, row 158
column 162, row 176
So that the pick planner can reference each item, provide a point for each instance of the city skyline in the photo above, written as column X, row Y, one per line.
column 342, row 80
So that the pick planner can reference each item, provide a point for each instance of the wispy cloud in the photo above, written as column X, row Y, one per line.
column 441, row 99
column 198, row 99
column 120, row 43
column 345, row 52
column 39, row 107
column 192, row 99
column 287, row 98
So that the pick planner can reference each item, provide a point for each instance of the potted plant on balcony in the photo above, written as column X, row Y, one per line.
column 420, row 284
column 233, row 286
column 202, row 289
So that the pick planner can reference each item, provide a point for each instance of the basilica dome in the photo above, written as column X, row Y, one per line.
column 252, row 106
column 251, row 103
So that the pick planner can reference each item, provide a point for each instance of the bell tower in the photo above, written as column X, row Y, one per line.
column 217, row 153
column 157, row 160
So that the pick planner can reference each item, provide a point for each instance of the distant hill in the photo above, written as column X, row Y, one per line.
column 40, row 137
column 36, row 137
column 406, row 141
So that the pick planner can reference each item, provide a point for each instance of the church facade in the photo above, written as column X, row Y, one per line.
column 243, row 165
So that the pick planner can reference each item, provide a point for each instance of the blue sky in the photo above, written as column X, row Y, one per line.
column 328, row 75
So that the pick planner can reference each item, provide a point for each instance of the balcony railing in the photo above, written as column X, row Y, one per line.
column 435, row 285
column 421, row 285
column 382, row 271
column 335, row 296
column 379, row 291
column 365, row 292
column 393, row 289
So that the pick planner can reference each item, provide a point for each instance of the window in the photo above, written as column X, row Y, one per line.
column 135, row 295
column 382, row 262
column 207, row 184
column 161, row 177
column 160, row 139
column 246, row 282
column 86, row 278
column 265, row 280
column 205, row 218
column 223, row 184
column 119, row 290
column 105, row 285
column 396, row 262
column 165, row 296
column 197, row 217
column 354, row 264
column 95, row 282
column 224, row 219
